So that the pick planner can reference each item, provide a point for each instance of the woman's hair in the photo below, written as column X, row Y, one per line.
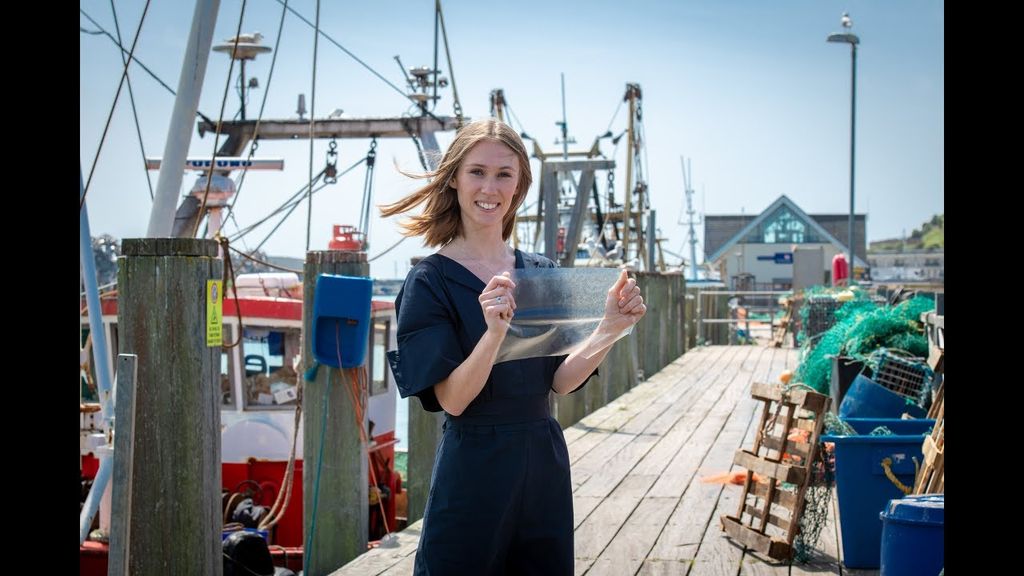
column 441, row 221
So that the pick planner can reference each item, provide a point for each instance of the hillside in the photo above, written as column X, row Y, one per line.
column 931, row 235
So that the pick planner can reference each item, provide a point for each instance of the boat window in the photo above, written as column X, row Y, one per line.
column 270, row 378
column 227, row 391
column 378, row 365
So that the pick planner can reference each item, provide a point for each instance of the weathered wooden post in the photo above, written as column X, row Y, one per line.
column 334, row 475
column 424, row 436
column 175, row 509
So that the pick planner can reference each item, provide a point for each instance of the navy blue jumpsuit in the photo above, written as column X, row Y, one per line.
column 500, row 497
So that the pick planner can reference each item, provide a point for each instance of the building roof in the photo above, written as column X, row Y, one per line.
column 721, row 233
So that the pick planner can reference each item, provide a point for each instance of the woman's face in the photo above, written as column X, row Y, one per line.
column 486, row 182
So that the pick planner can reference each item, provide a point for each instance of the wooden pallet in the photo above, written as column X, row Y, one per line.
column 768, row 518
column 931, row 478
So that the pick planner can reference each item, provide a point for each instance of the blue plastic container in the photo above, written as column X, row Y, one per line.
column 920, row 427
column 341, row 309
column 913, row 542
column 869, row 399
column 862, row 487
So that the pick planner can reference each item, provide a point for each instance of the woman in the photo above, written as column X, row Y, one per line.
column 500, row 497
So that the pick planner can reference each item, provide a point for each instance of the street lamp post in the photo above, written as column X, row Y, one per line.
column 852, row 40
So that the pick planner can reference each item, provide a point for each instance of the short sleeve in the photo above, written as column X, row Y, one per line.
column 428, row 346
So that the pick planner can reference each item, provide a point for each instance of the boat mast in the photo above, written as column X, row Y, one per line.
column 691, row 221
column 179, row 133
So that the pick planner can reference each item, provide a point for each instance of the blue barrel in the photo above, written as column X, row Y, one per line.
column 869, row 399
column 863, row 489
column 913, row 541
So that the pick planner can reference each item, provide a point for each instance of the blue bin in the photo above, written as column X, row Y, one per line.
column 913, row 541
column 341, row 310
column 897, row 426
column 869, row 399
column 862, row 487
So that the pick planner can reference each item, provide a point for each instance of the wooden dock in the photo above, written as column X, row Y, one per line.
column 640, row 506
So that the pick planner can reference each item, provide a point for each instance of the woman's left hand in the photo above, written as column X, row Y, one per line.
column 624, row 305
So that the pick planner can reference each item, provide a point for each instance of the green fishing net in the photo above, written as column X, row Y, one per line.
column 861, row 327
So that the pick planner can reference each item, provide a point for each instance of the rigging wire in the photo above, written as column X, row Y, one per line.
column 312, row 125
column 614, row 116
column 346, row 51
column 388, row 249
column 131, row 99
column 220, row 118
column 259, row 118
column 110, row 115
column 457, row 106
column 287, row 214
column 366, row 204
column 291, row 204
column 132, row 58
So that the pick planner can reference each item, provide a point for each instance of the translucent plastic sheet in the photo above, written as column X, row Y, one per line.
column 558, row 311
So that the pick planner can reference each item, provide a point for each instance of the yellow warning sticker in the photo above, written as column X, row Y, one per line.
column 214, row 313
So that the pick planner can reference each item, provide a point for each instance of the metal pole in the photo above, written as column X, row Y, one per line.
column 651, row 267
column 179, row 133
column 629, row 176
column 241, row 89
column 853, row 125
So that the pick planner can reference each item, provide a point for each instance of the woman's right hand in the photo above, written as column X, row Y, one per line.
column 498, row 304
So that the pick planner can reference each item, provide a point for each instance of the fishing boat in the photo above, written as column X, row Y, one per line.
column 259, row 380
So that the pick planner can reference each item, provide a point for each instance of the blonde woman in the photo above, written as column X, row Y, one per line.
column 500, row 497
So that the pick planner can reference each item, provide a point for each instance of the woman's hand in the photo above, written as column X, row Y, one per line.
column 498, row 304
column 624, row 305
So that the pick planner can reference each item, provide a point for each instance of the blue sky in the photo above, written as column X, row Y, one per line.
column 749, row 90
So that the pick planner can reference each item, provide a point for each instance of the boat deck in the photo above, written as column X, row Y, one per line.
column 640, row 505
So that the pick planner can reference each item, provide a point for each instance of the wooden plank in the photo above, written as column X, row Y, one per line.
column 381, row 560
column 636, row 398
column 716, row 554
column 666, row 409
column 686, row 535
column 802, row 424
column 627, row 551
column 582, row 506
column 784, row 498
column 773, row 519
column 674, row 457
column 623, row 553
column 800, row 397
column 800, row 449
column 761, row 543
column 776, row 470
column 604, row 522
column 666, row 432
column 634, row 483
column 403, row 568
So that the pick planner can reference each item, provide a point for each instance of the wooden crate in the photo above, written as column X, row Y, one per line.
column 768, row 518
